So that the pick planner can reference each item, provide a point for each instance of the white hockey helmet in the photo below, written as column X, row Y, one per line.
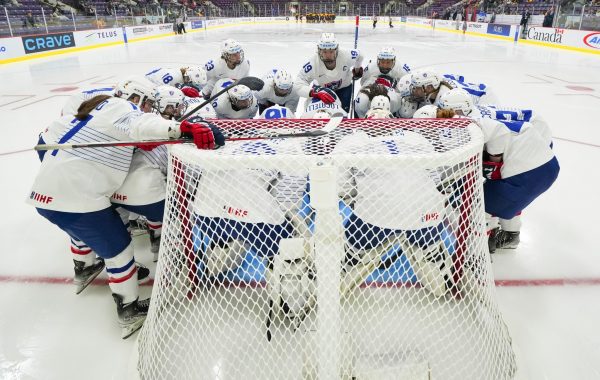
column 194, row 75
column 138, row 90
column 283, row 83
column 380, row 108
column 457, row 100
column 170, row 101
column 426, row 112
column 386, row 59
column 232, row 52
column 241, row 97
column 424, row 82
column 327, row 42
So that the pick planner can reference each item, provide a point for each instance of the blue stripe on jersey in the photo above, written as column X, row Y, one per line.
column 514, row 126
column 72, row 131
column 109, row 154
column 98, row 90
column 153, row 71
column 121, row 269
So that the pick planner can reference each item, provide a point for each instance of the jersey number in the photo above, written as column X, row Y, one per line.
column 209, row 65
column 276, row 113
column 167, row 78
column 307, row 67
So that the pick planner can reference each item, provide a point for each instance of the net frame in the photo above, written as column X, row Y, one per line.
column 329, row 314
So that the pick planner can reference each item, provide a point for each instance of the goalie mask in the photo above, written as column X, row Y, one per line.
column 283, row 83
column 169, row 102
column 423, row 83
column 457, row 100
column 327, row 48
column 240, row 97
column 137, row 90
column 386, row 59
column 232, row 53
column 194, row 76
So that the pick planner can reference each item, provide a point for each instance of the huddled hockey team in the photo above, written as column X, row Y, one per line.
column 96, row 195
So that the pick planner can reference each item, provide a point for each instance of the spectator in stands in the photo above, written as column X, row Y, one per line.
column 548, row 18
column 29, row 19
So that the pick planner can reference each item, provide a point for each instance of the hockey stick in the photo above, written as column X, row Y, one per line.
column 330, row 126
column 253, row 83
column 352, row 85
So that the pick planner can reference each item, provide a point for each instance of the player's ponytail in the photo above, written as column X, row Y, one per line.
column 445, row 114
column 86, row 107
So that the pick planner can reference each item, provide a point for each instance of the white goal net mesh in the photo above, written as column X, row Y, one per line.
column 360, row 254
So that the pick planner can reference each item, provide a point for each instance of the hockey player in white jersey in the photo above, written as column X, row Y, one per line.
column 380, row 108
column 189, row 79
column 277, row 112
column 278, row 90
column 143, row 190
column 331, row 68
column 384, row 70
column 381, row 220
column 519, row 164
column 73, row 187
column 362, row 103
column 318, row 109
column 232, row 64
column 75, row 100
column 238, row 102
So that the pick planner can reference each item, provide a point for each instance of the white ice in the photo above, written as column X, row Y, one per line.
column 47, row 332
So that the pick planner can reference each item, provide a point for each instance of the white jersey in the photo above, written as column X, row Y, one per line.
column 362, row 104
column 166, row 76
column 206, row 112
column 339, row 77
column 218, row 69
column 146, row 181
column 315, row 105
column 223, row 108
column 372, row 72
column 390, row 205
column 277, row 112
column 75, row 100
column 502, row 113
column 83, row 180
column 252, row 196
column 523, row 146
column 267, row 96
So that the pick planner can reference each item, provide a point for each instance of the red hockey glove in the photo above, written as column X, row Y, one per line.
column 491, row 170
column 201, row 133
column 326, row 95
column 190, row 92
column 384, row 82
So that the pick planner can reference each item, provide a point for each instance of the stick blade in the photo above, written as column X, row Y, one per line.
column 253, row 83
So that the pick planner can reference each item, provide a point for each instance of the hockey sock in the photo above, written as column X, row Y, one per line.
column 122, row 277
column 81, row 252
column 511, row 225
column 156, row 227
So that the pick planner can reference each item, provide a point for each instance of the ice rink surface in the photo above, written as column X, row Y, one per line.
column 548, row 289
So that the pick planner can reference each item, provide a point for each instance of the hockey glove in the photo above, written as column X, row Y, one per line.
column 147, row 147
column 357, row 73
column 202, row 134
column 326, row 95
column 491, row 170
column 384, row 80
column 190, row 92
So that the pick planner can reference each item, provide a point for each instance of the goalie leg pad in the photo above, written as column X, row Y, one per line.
column 224, row 257
column 432, row 265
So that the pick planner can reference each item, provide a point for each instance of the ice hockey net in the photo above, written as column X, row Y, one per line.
column 360, row 254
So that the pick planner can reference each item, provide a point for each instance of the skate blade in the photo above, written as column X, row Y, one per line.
column 127, row 331
column 81, row 287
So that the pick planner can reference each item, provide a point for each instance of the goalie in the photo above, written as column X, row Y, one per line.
column 380, row 223
column 260, row 220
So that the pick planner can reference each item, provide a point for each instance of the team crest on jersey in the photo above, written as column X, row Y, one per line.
column 333, row 85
